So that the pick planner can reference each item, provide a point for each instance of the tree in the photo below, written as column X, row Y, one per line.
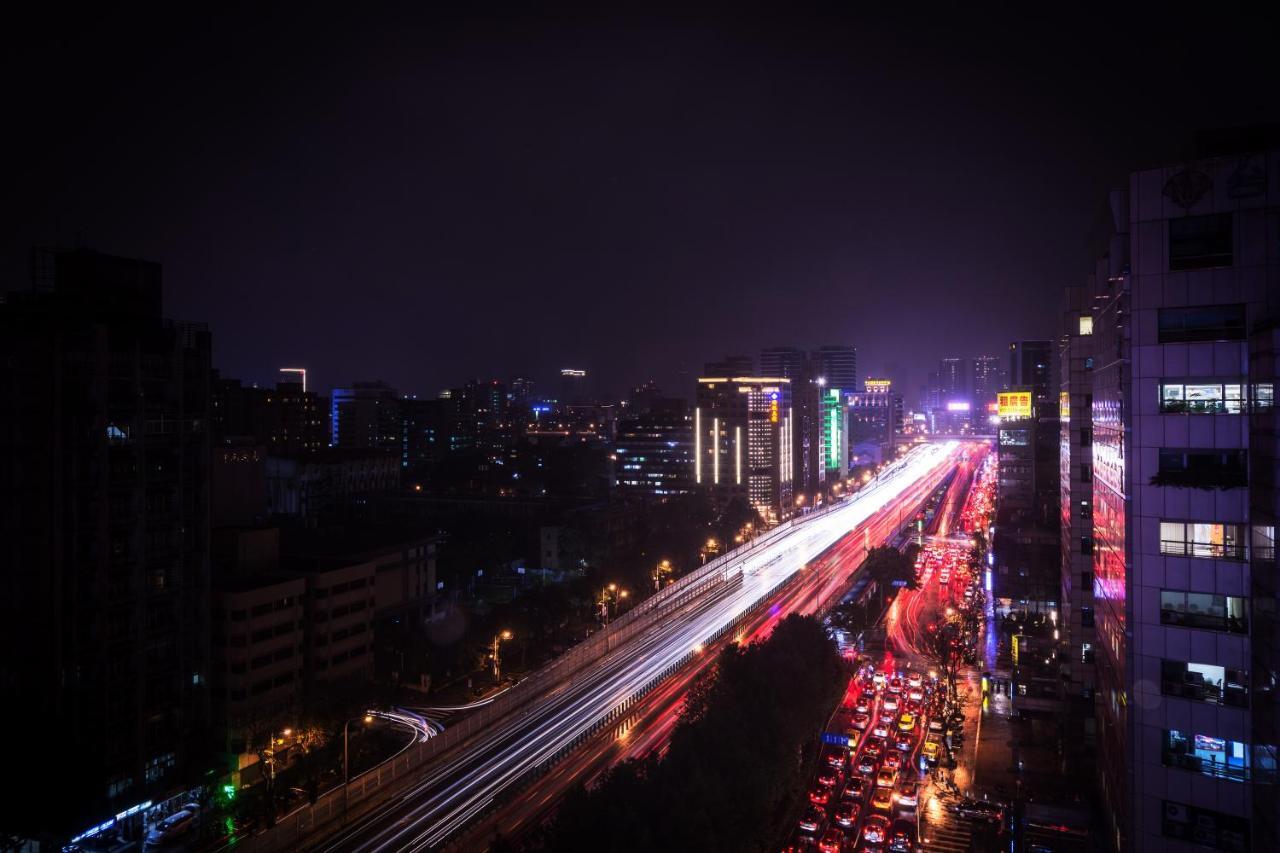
column 890, row 568
column 735, row 760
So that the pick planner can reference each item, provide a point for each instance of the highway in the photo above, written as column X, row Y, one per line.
column 454, row 790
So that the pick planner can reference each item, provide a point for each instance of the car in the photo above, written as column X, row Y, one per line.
column 867, row 763
column 882, row 799
column 830, row 777
column 861, row 721
column 908, row 795
column 935, row 725
column 874, row 747
column 854, row 737
column 172, row 828
column 900, row 836
column 888, row 717
column 915, row 694
column 834, row 757
column 880, row 730
column 895, row 685
column 980, row 810
column 892, row 760
column 847, row 813
column 878, row 678
column 812, row 820
column 863, row 704
column 875, row 829
column 915, row 679
column 832, row 841
column 907, row 723
column 904, row 742
column 820, row 795
column 887, row 777
column 890, row 702
column 857, row 788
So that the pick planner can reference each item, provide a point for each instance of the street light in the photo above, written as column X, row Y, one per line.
column 663, row 568
column 609, row 599
column 497, row 664
column 346, row 766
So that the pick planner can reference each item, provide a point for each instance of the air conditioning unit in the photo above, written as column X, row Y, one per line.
column 1175, row 812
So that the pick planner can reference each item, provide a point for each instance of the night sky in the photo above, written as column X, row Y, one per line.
column 425, row 200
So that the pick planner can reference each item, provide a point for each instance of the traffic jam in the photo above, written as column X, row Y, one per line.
column 884, row 737
column 900, row 721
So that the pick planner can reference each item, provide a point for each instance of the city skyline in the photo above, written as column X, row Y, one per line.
column 360, row 188
column 500, row 430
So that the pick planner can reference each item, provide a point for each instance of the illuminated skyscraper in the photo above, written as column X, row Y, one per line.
column 1184, row 338
column 742, row 434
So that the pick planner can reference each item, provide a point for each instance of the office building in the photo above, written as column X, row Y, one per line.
column 953, row 378
column 838, row 364
column 654, row 450
column 834, row 430
column 1031, row 366
column 742, row 442
column 104, row 468
column 790, row 362
column 1184, row 334
column 730, row 365
column 875, row 422
column 987, row 378
column 366, row 416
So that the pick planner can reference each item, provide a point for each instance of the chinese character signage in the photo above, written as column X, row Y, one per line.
column 1014, row 404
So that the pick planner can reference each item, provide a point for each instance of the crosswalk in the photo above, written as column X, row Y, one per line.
column 947, row 833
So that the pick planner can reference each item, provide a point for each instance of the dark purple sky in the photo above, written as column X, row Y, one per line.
column 428, row 199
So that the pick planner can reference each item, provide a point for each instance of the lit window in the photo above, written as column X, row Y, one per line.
column 1198, row 539
column 1086, row 325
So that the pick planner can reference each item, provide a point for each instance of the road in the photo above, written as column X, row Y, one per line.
column 513, row 751
column 966, row 506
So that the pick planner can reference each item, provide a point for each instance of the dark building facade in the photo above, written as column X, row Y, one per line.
column 654, row 450
column 366, row 415
column 104, row 464
column 838, row 365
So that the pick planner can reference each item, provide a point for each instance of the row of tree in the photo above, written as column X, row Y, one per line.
column 736, row 760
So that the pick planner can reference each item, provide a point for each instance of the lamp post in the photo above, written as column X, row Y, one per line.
column 346, row 766
column 498, row 639
column 609, row 599
column 663, row 568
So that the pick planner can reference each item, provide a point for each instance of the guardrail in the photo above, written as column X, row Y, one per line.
column 289, row 832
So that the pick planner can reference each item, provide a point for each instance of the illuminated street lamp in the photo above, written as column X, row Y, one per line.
column 498, row 639
column 662, row 569
column 609, row 600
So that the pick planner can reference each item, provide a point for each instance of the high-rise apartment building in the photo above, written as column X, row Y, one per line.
column 742, row 435
column 104, row 468
column 284, row 419
column 1184, row 347
column 1075, row 503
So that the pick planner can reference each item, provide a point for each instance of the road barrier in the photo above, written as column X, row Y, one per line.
column 288, row 833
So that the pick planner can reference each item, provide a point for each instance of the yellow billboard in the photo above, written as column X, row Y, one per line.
column 1014, row 404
